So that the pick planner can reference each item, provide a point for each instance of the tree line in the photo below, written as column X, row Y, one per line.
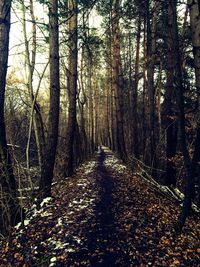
column 132, row 84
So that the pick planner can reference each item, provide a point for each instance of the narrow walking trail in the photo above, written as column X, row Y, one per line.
column 103, row 216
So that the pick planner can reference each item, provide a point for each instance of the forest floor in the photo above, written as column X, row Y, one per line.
column 103, row 216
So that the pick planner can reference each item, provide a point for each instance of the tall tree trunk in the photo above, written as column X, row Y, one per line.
column 82, row 101
column 9, row 207
column 53, row 120
column 135, row 93
column 117, row 81
column 130, row 125
column 36, row 117
column 108, row 112
column 72, row 85
column 91, row 104
column 169, row 117
column 178, row 80
column 144, row 97
column 151, row 50
column 84, row 142
column 111, row 87
column 96, row 111
column 158, row 101
column 194, row 9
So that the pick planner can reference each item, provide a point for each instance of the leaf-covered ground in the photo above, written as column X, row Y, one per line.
column 103, row 216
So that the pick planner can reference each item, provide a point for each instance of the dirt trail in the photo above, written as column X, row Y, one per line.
column 103, row 216
column 104, row 241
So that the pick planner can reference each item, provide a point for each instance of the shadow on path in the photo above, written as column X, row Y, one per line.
column 104, row 245
column 104, row 240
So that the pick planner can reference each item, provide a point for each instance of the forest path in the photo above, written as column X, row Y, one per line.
column 103, row 216
column 105, row 242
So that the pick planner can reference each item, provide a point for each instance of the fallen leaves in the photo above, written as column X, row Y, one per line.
column 176, row 262
column 103, row 215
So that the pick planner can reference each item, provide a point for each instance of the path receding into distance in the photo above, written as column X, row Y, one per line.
column 103, row 216
column 105, row 238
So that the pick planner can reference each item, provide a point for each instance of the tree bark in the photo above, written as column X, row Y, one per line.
column 72, row 85
column 135, row 93
column 36, row 118
column 144, row 97
column 53, row 120
column 117, row 81
column 195, row 30
column 169, row 117
column 9, row 206
column 82, row 102
column 194, row 9
column 178, row 80
column 151, row 52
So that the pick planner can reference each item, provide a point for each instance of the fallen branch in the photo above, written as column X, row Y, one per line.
column 173, row 193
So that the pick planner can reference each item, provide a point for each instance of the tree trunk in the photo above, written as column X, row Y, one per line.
column 81, row 102
column 135, row 93
column 117, row 81
column 194, row 9
column 9, row 206
column 178, row 80
column 53, row 120
column 151, row 46
column 36, row 117
column 144, row 98
column 158, row 101
column 72, row 85
column 90, row 104
column 169, row 117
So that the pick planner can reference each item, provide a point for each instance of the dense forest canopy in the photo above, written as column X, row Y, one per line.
column 80, row 74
